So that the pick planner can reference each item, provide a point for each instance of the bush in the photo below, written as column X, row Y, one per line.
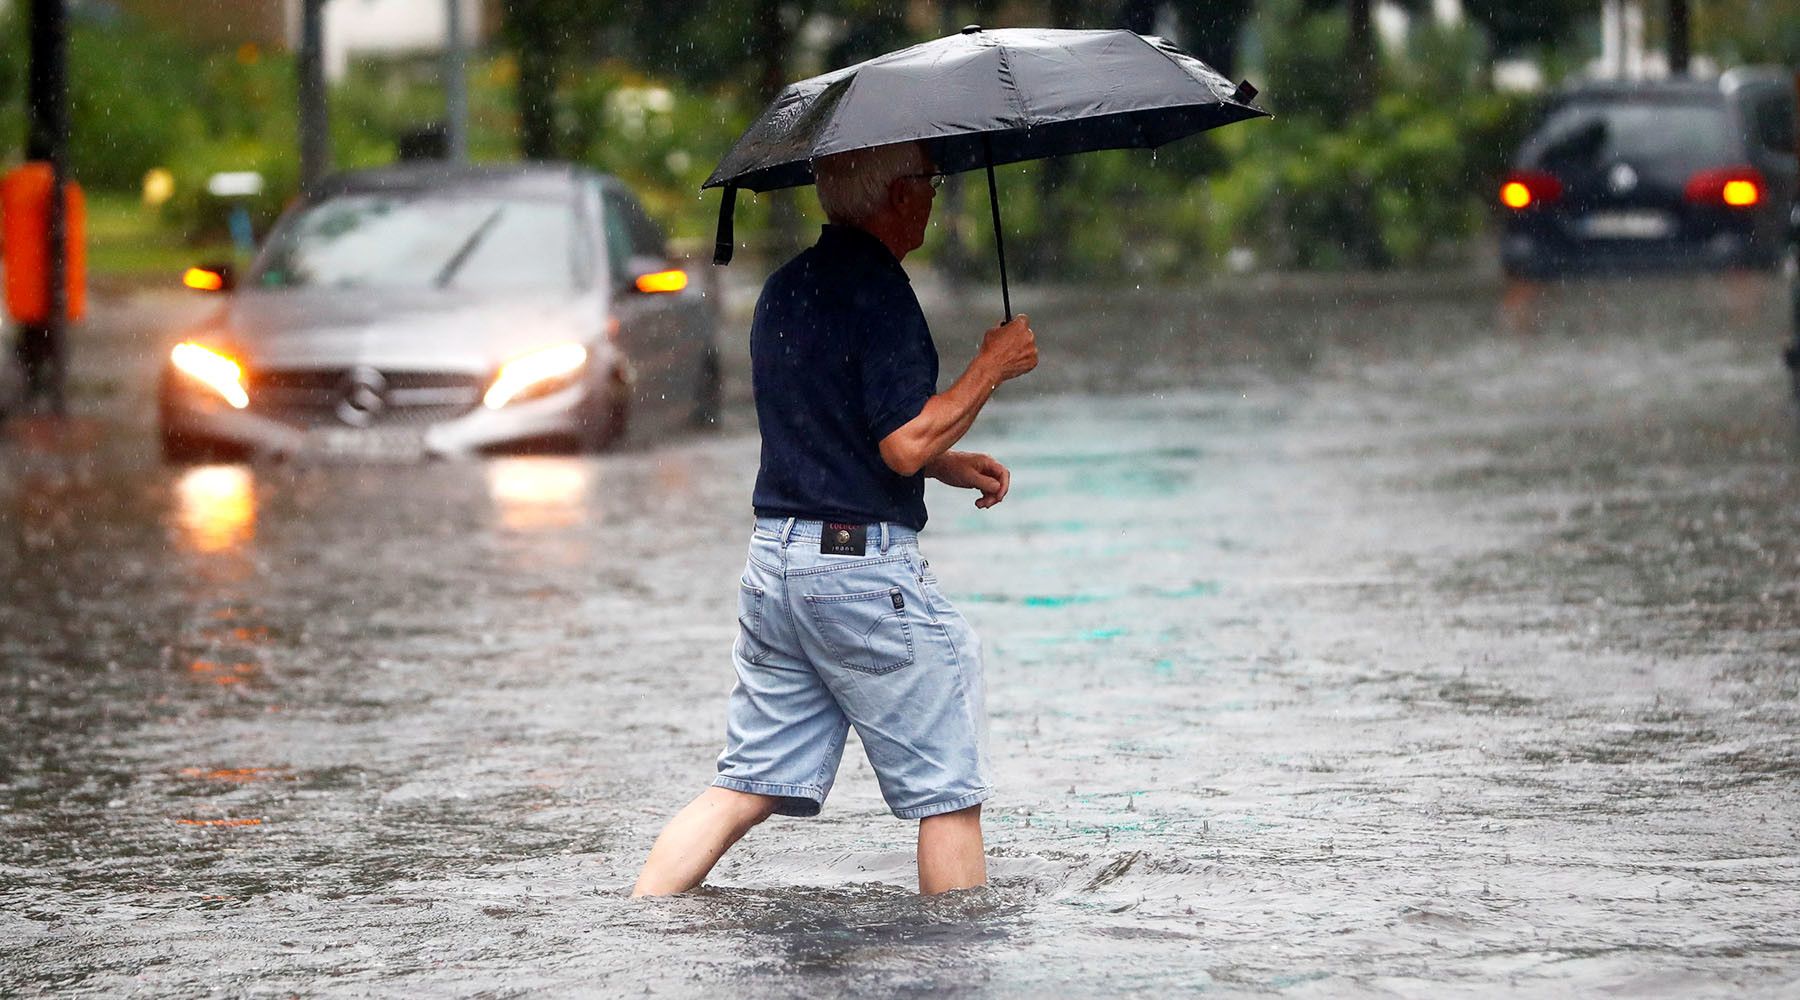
column 1407, row 182
column 660, row 138
column 133, row 98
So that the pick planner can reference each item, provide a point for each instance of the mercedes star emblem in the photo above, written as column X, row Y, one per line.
column 362, row 395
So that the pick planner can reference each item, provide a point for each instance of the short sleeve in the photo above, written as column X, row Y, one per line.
column 899, row 369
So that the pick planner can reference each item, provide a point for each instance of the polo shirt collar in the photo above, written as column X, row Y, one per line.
column 861, row 245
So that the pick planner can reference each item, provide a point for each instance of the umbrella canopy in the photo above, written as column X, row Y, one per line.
column 981, row 98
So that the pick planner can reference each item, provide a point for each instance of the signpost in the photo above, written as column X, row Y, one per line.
column 315, row 127
column 456, row 83
column 41, row 243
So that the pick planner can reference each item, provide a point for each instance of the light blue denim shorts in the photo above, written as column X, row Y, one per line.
column 827, row 642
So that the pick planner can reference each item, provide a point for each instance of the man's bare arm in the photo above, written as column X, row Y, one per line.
column 1006, row 352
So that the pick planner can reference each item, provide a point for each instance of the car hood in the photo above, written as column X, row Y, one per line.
column 398, row 332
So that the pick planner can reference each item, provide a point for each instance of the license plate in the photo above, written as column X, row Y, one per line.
column 1627, row 226
column 382, row 445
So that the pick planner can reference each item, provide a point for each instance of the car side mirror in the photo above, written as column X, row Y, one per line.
column 654, row 276
column 216, row 277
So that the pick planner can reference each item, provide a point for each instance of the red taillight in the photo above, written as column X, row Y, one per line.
column 1525, row 188
column 1734, row 187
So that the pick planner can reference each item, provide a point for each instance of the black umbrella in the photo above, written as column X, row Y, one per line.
column 983, row 98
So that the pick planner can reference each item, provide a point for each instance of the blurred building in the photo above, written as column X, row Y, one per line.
column 352, row 27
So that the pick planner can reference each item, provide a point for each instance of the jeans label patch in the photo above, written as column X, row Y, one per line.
column 843, row 539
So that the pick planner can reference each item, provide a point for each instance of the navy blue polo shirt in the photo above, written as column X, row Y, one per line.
column 840, row 357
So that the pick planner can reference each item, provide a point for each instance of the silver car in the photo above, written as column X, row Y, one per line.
column 442, row 310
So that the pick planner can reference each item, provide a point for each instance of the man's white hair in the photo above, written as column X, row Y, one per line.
column 854, row 186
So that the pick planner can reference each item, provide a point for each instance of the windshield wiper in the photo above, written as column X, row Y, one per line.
column 461, row 256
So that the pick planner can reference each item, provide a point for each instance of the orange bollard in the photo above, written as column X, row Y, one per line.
column 24, row 224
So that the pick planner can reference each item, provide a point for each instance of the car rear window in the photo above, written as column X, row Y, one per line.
column 1676, row 135
column 1771, row 114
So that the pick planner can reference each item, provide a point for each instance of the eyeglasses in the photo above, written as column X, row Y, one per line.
column 936, row 180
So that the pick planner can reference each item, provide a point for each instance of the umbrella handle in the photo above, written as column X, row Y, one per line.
column 999, row 239
column 726, row 240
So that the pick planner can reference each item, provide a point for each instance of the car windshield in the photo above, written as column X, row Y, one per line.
column 461, row 243
column 1678, row 135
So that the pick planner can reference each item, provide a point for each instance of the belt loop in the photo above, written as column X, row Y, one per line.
column 786, row 530
column 884, row 538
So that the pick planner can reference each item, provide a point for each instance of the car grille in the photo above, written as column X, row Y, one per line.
column 362, row 397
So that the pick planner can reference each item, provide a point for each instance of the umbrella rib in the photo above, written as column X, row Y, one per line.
column 1016, row 99
column 1159, row 50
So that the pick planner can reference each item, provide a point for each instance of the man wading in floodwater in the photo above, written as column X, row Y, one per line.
column 840, row 621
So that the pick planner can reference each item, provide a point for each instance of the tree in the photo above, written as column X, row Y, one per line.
column 1513, row 26
column 1211, row 29
column 544, row 35
column 1134, row 15
column 871, row 28
column 1361, row 61
column 1043, row 255
column 1680, row 37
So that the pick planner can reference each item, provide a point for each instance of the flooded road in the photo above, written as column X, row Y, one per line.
column 1346, row 638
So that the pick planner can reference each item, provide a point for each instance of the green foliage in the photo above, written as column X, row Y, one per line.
column 1405, row 183
column 135, row 102
column 12, row 84
column 657, row 97
column 660, row 137
column 1304, row 57
column 1518, row 25
column 1749, row 31
column 132, row 98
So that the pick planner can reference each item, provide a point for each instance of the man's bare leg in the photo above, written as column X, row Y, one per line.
column 950, row 854
column 698, row 837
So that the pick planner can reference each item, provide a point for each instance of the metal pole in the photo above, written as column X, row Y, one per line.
column 44, row 346
column 999, row 239
column 1680, row 38
column 1612, row 39
column 315, row 125
column 456, row 83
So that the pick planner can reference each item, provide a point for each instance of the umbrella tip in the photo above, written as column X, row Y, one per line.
column 970, row 29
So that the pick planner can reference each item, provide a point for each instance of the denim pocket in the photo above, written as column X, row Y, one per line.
column 750, row 644
column 866, row 632
column 936, row 606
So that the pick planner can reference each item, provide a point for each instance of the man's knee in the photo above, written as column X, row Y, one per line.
column 961, row 817
column 746, row 809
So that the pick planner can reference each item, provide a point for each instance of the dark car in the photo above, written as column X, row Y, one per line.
column 438, row 309
column 1670, row 173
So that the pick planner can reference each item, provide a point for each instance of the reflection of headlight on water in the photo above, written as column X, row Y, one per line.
column 215, row 507
column 535, row 494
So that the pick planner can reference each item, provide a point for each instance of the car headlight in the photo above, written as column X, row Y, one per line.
column 213, row 370
column 538, row 373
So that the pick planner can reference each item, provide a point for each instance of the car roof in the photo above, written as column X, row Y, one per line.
column 528, row 180
column 1642, row 90
column 1676, row 89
